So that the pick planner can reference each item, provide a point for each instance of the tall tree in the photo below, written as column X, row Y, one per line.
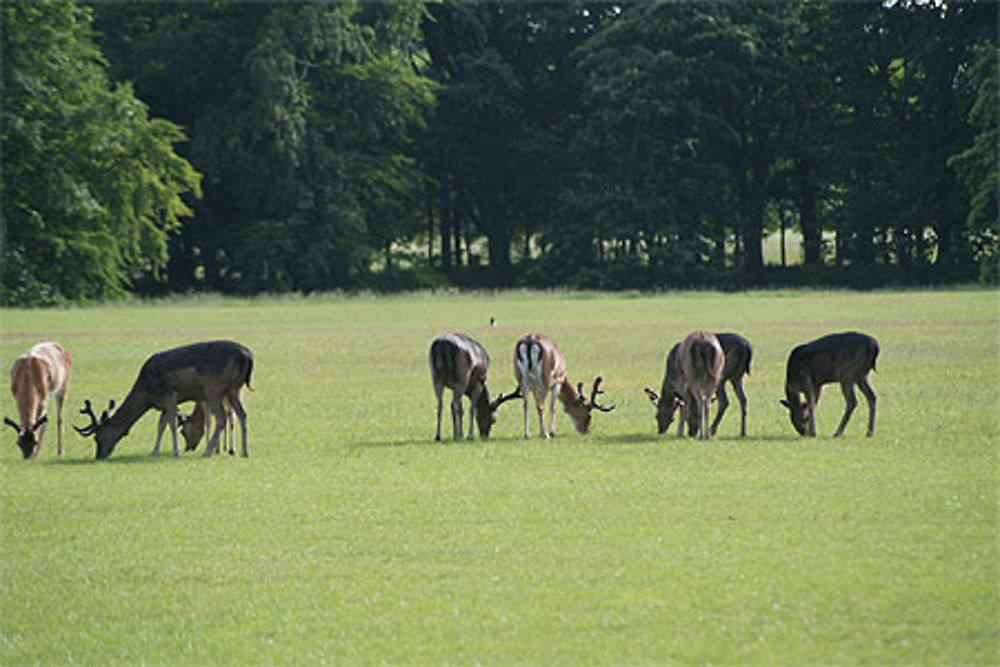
column 92, row 186
column 303, row 125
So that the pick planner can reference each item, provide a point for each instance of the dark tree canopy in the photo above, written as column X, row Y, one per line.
column 269, row 147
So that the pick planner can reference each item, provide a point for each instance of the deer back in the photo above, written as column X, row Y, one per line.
column 538, row 364
column 738, row 353
column 841, row 357
column 701, row 361
column 458, row 362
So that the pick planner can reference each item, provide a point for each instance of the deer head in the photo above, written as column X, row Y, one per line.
column 104, row 445
column 27, row 439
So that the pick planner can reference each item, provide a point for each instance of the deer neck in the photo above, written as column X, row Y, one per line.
column 135, row 405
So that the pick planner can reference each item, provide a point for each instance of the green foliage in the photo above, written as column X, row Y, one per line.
column 348, row 536
column 978, row 165
column 92, row 186
column 586, row 144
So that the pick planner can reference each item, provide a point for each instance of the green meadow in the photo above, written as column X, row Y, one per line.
column 350, row 537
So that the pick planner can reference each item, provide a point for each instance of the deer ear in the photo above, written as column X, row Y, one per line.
column 13, row 424
column 653, row 398
column 41, row 420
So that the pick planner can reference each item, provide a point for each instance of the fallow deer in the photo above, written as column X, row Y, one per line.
column 213, row 372
column 540, row 368
column 194, row 426
column 701, row 361
column 461, row 364
column 738, row 353
column 847, row 358
column 40, row 374
column 673, row 395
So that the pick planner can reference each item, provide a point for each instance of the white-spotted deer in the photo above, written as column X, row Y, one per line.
column 847, row 358
column 213, row 372
column 540, row 368
column 461, row 364
column 40, row 374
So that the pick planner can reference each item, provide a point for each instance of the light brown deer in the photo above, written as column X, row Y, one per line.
column 701, row 361
column 672, row 396
column 40, row 374
column 194, row 426
column 540, row 368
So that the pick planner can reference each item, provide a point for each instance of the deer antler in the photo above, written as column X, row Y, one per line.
column 593, row 395
column 652, row 396
column 503, row 398
column 88, row 410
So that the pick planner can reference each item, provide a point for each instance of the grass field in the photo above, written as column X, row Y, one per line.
column 350, row 537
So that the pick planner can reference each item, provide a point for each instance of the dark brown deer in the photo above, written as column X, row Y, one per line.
column 213, row 372
column 738, row 352
column 847, row 358
column 540, row 368
column 461, row 364
column 39, row 374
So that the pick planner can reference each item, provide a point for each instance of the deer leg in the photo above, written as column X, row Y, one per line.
column 851, row 402
column 540, row 409
column 171, row 416
column 241, row 414
column 438, row 390
column 215, row 407
column 230, row 431
column 456, row 415
column 720, row 393
column 742, row 397
column 473, row 401
column 525, row 403
column 60, row 398
column 553, row 395
column 682, row 418
column 869, row 393
column 159, row 432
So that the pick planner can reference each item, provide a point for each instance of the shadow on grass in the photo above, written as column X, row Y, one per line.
column 136, row 458
column 670, row 439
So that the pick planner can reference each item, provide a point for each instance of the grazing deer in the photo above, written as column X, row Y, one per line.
column 737, row 351
column 460, row 364
column 847, row 358
column 540, row 368
column 39, row 374
column 673, row 395
column 212, row 372
column 701, row 361
column 194, row 425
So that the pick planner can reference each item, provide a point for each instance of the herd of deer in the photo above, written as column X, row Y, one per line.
column 697, row 369
column 212, row 374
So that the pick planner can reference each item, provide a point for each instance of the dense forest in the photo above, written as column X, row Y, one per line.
column 269, row 147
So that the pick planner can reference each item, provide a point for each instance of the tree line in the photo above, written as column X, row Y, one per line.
column 271, row 147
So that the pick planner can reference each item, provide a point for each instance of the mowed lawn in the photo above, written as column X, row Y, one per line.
column 350, row 537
